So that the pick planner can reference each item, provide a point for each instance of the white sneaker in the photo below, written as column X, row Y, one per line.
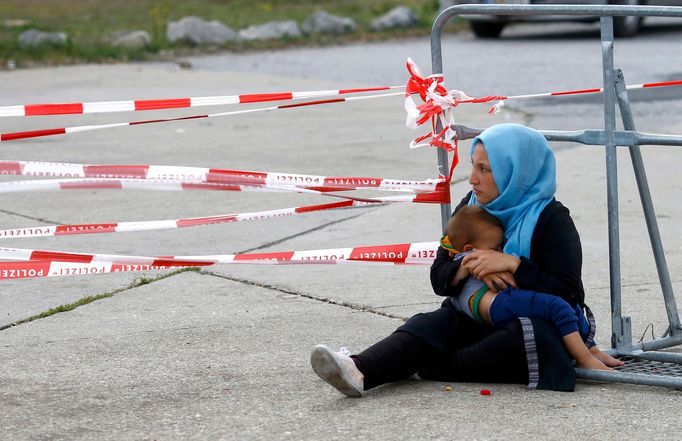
column 337, row 369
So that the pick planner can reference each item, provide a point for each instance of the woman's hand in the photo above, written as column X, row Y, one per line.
column 482, row 263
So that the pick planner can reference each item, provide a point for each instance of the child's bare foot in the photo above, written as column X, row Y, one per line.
column 605, row 358
column 592, row 363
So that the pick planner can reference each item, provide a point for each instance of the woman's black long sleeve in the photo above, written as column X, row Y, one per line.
column 556, row 257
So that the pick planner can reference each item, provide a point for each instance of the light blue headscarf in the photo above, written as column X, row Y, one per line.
column 524, row 171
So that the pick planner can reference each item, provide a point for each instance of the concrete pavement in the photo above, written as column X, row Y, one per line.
column 223, row 354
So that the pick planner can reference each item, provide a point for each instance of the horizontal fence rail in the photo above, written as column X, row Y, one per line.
column 588, row 136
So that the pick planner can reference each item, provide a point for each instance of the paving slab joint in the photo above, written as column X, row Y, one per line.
column 39, row 219
column 353, row 306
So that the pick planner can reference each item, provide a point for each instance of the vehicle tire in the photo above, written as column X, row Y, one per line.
column 486, row 30
column 626, row 26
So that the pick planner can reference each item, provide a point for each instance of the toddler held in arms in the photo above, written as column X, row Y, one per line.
column 473, row 228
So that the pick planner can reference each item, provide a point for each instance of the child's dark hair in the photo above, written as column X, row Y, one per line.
column 468, row 223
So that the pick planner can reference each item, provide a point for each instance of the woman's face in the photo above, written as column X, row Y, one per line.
column 481, row 178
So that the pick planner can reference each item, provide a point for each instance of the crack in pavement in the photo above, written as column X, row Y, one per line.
column 39, row 219
column 353, row 306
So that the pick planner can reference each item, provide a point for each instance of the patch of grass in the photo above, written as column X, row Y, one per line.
column 89, row 299
column 90, row 23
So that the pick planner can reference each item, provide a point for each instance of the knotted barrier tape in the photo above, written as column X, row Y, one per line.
column 437, row 106
column 26, row 263
column 438, row 103
column 437, row 99
column 173, row 103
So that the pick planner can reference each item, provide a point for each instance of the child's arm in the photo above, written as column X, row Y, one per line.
column 461, row 274
column 443, row 270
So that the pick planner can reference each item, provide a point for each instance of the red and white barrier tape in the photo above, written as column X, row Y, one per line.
column 38, row 263
column 126, row 184
column 440, row 196
column 437, row 107
column 438, row 104
column 501, row 99
column 212, row 175
column 173, row 103
column 125, row 227
column 13, row 136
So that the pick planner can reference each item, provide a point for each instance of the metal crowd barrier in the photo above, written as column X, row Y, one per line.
column 644, row 365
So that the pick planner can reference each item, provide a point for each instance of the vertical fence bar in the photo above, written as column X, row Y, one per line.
column 437, row 68
column 617, row 336
column 648, row 208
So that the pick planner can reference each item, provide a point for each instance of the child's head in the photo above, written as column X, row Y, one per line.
column 474, row 228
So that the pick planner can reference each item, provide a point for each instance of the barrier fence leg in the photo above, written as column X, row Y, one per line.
column 437, row 68
column 641, row 367
column 648, row 208
column 443, row 171
column 620, row 332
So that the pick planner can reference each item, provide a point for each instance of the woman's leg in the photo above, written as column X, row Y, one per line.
column 500, row 358
column 423, row 340
column 394, row 358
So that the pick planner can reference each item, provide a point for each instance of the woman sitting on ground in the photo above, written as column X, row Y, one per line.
column 513, row 177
